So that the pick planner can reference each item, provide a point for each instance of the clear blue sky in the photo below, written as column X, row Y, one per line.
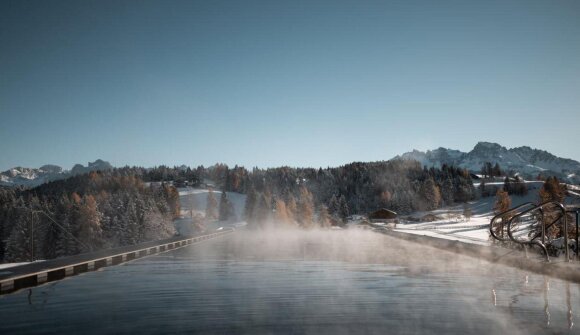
column 269, row 83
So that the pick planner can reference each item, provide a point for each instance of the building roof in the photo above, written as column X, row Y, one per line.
column 383, row 213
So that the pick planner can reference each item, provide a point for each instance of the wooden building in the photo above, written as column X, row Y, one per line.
column 383, row 215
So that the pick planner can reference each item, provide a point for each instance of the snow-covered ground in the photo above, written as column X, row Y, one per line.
column 531, row 184
column 11, row 265
column 5, row 267
column 194, row 200
column 454, row 226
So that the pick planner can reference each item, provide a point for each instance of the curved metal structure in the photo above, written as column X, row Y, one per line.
column 542, row 233
column 494, row 221
column 534, row 236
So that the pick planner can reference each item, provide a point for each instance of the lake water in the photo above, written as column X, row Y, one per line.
column 332, row 282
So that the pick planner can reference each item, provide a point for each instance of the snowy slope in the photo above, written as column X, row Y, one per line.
column 525, row 160
column 195, row 199
column 453, row 225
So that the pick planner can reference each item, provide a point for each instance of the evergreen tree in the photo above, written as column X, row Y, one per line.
column 224, row 207
column 496, row 171
column 89, row 226
column 51, row 234
column 487, row 170
column 18, row 246
column 324, row 217
column 249, row 205
column 447, row 191
column 334, row 207
column 507, row 185
column 343, row 210
column 464, row 190
column 305, row 208
column 156, row 226
column 211, row 207
column 291, row 208
column 66, row 244
column 128, row 221
column 431, row 194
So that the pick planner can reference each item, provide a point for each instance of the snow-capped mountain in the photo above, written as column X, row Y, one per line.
column 31, row 177
column 523, row 160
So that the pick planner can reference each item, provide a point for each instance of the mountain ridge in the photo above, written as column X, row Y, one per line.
column 32, row 177
column 522, row 160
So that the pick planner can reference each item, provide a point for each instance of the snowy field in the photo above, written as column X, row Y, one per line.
column 194, row 201
column 454, row 226
column 531, row 184
column 5, row 266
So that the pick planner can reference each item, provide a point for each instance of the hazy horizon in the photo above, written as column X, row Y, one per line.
column 269, row 83
column 193, row 165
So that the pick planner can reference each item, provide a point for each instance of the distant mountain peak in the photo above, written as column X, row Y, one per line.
column 51, row 168
column 100, row 164
column 488, row 146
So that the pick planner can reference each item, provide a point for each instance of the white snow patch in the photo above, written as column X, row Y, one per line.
column 454, row 226
column 194, row 200
column 12, row 265
column 5, row 267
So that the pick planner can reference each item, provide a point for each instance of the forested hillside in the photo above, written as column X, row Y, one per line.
column 308, row 196
column 85, row 213
column 301, row 194
column 116, row 208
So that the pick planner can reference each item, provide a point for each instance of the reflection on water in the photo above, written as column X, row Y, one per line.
column 547, row 300
column 569, row 304
column 298, row 282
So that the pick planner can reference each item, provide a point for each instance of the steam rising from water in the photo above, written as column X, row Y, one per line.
column 351, row 246
column 416, row 289
column 298, row 281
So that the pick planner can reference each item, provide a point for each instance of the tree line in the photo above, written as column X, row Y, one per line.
column 309, row 197
column 322, row 197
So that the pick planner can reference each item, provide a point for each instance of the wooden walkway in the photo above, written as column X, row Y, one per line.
column 33, row 274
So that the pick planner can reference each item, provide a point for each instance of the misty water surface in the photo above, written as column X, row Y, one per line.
column 298, row 282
